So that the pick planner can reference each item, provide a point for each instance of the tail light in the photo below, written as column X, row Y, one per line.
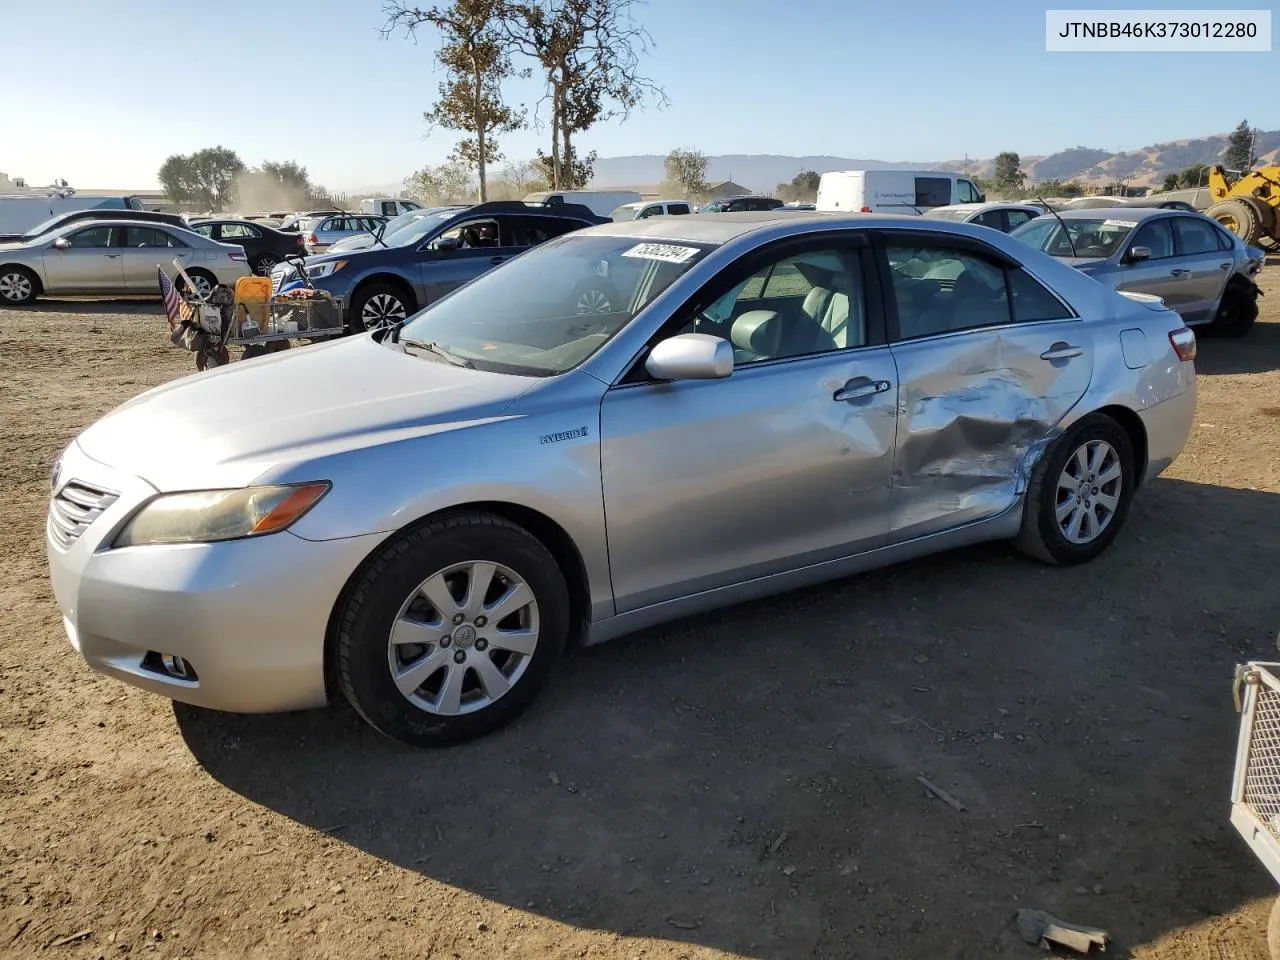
column 865, row 210
column 237, row 255
column 1184, row 343
column 312, row 240
column 301, row 245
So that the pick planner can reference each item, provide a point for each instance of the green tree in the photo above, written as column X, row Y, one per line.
column 1170, row 182
column 588, row 53
column 687, row 172
column 1238, row 154
column 475, row 58
column 574, row 173
column 1193, row 176
column 204, row 178
column 440, row 185
column 1008, row 173
column 802, row 188
column 287, row 174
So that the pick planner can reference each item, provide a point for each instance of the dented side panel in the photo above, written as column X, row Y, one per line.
column 975, row 410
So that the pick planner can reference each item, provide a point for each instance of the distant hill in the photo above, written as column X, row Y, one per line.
column 1090, row 165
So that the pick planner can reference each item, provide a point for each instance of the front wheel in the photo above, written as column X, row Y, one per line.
column 18, row 286
column 378, row 306
column 1079, row 493
column 452, row 630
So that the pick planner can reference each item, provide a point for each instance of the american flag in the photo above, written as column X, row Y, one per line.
column 172, row 304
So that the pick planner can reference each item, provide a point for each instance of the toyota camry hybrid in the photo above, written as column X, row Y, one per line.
column 764, row 400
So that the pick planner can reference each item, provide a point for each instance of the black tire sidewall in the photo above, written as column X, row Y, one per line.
column 1093, row 427
column 367, row 619
column 35, row 288
column 356, row 318
column 266, row 258
column 1236, row 314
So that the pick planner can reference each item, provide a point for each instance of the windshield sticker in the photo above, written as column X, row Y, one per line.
column 666, row 252
column 1119, row 223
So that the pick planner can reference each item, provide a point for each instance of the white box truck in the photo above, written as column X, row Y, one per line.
column 600, row 202
column 894, row 191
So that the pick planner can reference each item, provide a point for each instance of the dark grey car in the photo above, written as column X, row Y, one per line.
column 1197, row 268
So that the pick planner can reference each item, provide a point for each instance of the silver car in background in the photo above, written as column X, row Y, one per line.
column 363, row 241
column 108, row 258
column 1196, row 267
column 1004, row 217
column 318, row 235
column 772, row 400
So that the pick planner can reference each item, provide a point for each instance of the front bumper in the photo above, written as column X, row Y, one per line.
column 248, row 616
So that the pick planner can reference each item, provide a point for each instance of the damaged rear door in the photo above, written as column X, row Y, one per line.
column 989, row 362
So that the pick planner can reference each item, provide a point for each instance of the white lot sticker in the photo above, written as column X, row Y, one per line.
column 1120, row 223
column 668, row 252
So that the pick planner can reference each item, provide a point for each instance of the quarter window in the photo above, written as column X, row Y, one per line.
column 1017, row 218
column 1194, row 236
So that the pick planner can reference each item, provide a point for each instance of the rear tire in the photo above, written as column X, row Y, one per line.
column 377, row 306
column 203, row 279
column 18, row 286
column 1089, row 470
column 416, row 656
column 1239, row 217
column 263, row 264
column 1236, row 313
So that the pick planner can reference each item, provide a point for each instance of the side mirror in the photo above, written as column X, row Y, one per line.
column 690, row 356
column 447, row 243
column 62, row 243
column 1137, row 254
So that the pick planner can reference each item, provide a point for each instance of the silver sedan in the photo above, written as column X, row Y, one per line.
column 771, row 400
column 105, row 258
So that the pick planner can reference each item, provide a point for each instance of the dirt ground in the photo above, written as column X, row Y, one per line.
column 743, row 784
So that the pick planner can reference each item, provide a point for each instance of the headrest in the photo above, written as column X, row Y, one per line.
column 759, row 331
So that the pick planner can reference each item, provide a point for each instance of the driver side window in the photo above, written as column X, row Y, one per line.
column 798, row 305
column 467, row 236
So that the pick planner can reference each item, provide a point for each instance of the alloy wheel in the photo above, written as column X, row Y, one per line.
column 15, row 287
column 1089, row 491
column 382, row 310
column 463, row 638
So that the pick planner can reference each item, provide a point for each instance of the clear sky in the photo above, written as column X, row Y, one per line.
column 101, row 91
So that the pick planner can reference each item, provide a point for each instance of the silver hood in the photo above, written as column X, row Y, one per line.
column 226, row 427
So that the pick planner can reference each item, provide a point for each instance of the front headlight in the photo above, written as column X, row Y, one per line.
column 321, row 270
column 207, row 516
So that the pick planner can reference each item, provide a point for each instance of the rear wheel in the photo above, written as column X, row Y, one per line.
column 262, row 264
column 18, row 286
column 452, row 630
column 1239, row 217
column 1236, row 313
column 1079, row 493
column 379, row 306
column 204, row 282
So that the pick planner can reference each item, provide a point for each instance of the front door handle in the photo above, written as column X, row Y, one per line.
column 1224, row 266
column 113, row 256
column 1062, row 351
column 497, row 260
column 860, row 388
column 1180, row 272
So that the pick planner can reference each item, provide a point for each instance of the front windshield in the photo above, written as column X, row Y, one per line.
column 940, row 214
column 1090, row 237
column 548, row 310
column 415, row 230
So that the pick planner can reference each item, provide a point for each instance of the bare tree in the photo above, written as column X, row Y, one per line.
column 440, row 185
column 475, row 55
column 524, row 177
column 589, row 52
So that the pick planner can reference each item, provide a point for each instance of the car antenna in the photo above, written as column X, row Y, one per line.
column 1062, row 223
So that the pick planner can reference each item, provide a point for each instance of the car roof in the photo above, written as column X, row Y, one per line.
column 719, row 228
column 988, row 205
column 1136, row 214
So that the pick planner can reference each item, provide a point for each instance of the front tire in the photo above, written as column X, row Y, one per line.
column 18, row 286
column 379, row 306
column 1079, row 494
column 452, row 630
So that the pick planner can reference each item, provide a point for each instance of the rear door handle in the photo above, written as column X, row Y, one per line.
column 1062, row 351
column 497, row 260
column 113, row 256
column 1224, row 266
column 860, row 388
column 1180, row 272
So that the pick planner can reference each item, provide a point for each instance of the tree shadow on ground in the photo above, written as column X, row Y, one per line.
column 747, row 780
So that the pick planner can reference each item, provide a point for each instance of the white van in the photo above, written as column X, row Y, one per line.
column 894, row 191
column 600, row 202
column 388, row 206
column 18, row 212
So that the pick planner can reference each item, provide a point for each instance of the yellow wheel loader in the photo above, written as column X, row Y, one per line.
column 1249, row 205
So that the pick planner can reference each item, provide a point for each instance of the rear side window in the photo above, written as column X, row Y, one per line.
column 1195, row 236
column 933, row 191
column 388, row 208
column 677, row 208
column 1226, row 241
column 1032, row 302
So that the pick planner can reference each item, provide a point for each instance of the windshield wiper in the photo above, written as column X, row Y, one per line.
column 434, row 348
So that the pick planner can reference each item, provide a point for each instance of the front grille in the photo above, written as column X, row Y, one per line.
column 1262, row 770
column 73, row 508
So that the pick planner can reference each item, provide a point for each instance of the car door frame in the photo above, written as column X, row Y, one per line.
column 1209, row 279
column 116, row 258
column 1066, row 332
column 882, row 407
